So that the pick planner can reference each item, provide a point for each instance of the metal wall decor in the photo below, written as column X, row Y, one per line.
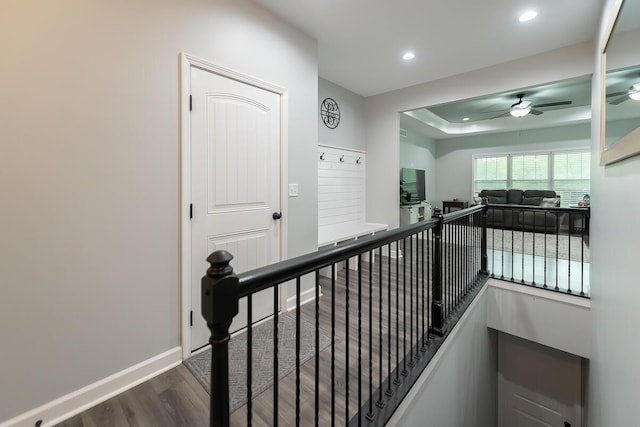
column 330, row 113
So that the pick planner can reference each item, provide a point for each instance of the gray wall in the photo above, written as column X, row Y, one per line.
column 548, row 318
column 418, row 151
column 455, row 156
column 460, row 388
column 350, row 133
column 615, row 295
column 90, row 179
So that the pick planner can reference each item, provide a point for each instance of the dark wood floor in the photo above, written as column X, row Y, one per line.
column 175, row 398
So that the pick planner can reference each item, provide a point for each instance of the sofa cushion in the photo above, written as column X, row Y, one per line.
column 532, row 201
column 493, row 200
column 538, row 193
column 514, row 196
column 495, row 193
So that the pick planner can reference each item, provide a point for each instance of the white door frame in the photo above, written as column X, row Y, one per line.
column 186, row 62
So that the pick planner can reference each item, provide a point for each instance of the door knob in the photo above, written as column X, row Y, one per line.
column 277, row 215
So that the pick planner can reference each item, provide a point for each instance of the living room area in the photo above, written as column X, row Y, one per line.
column 531, row 163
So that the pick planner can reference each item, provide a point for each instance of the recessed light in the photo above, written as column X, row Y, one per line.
column 465, row 119
column 528, row 16
column 408, row 56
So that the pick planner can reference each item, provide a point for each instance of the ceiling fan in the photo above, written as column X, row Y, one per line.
column 524, row 107
column 632, row 93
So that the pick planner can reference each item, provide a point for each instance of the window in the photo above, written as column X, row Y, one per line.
column 491, row 173
column 530, row 172
column 568, row 173
column 571, row 176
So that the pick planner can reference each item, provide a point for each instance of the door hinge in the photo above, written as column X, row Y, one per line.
column 190, row 103
column 191, row 318
column 191, row 211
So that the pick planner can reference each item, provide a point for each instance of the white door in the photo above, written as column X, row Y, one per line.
column 537, row 386
column 235, row 182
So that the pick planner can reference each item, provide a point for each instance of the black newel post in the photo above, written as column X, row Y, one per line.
column 485, row 215
column 219, row 306
column 437, row 312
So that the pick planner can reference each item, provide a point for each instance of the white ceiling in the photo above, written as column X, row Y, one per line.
column 360, row 42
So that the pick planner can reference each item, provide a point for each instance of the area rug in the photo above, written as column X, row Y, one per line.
column 262, row 374
column 566, row 246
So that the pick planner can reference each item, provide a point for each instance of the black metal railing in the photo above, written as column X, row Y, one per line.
column 543, row 247
column 386, row 306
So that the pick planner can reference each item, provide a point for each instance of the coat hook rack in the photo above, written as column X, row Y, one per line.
column 358, row 161
column 322, row 157
column 342, row 159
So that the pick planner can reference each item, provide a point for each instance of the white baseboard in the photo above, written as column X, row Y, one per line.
column 305, row 297
column 396, row 254
column 80, row 400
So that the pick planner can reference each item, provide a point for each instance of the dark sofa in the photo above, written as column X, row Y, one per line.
column 522, row 220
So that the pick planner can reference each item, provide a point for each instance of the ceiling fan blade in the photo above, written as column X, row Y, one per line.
column 617, row 93
column 536, row 112
column 619, row 100
column 507, row 114
column 553, row 104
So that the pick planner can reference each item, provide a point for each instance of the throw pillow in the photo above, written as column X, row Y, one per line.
column 549, row 202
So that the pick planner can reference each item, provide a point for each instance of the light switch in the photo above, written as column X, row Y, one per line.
column 293, row 190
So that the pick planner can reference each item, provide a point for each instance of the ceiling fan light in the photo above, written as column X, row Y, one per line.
column 520, row 109
column 520, row 112
column 634, row 92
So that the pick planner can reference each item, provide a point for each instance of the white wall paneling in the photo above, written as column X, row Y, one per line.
column 341, row 186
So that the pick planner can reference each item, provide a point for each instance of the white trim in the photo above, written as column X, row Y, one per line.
column 335, row 147
column 540, row 293
column 615, row 10
column 60, row 409
column 186, row 62
column 305, row 297
column 185, row 201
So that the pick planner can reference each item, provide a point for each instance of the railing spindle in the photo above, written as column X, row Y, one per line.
column 298, row 319
column 557, row 246
column 333, row 347
column 545, row 251
column 522, row 254
column 359, row 339
column 533, row 256
column 422, row 285
column 397, row 379
column 404, row 308
column 317, row 352
column 571, row 219
column 380, row 402
column 370, row 414
column 389, row 391
column 347, row 340
column 275, row 355
column 582, row 229
column 411, row 308
column 249, row 358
